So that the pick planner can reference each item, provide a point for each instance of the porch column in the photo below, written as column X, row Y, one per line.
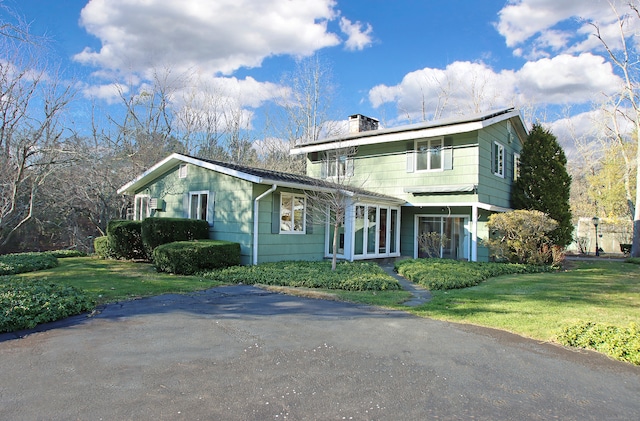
column 474, row 233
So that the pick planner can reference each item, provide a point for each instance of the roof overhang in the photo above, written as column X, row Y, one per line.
column 425, row 130
column 451, row 188
column 175, row 159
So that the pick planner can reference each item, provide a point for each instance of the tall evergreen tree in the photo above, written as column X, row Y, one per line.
column 544, row 183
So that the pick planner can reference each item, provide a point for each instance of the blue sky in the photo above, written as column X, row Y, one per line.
column 389, row 59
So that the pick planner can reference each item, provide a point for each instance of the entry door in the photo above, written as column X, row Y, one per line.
column 453, row 228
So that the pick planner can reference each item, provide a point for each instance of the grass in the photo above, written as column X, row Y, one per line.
column 540, row 305
column 108, row 281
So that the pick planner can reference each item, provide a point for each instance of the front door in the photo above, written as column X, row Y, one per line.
column 443, row 237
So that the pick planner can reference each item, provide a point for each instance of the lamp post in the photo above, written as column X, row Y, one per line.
column 596, row 221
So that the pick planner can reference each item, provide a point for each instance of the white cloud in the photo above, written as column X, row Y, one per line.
column 566, row 79
column 466, row 87
column 110, row 93
column 463, row 87
column 359, row 34
column 538, row 28
column 215, row 36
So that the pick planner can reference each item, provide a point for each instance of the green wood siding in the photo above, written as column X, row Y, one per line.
column 383, row 168
column 493, row 189
column 233, row 214
column 277, row 247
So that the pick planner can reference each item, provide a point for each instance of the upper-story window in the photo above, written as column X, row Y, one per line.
column 516, row 166
column 337, row 165
column 498, row 159
column 293, row 211
column 429, row 154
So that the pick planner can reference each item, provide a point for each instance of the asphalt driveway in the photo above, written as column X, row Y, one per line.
column 241, row 353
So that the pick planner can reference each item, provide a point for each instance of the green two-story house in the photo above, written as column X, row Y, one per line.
column 443, row 177
column 451, row 175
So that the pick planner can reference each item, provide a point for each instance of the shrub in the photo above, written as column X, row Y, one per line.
column 349, row 276
column 443, row 274
column 61, row 254
column 521, row 236
column 158, row 231
column 11, row 264
column 103, row 248
column 620, row 343
column 189, row 257
column 27, row 303
column 125, row 239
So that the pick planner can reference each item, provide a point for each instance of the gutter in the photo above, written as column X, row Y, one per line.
column 256, row 209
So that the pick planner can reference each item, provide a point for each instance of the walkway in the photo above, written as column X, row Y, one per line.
column 420, row 294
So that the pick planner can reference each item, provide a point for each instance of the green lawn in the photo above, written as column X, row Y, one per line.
column 539, row 305
column 115, row 280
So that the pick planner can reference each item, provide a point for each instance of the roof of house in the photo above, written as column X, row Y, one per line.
column 426, row 129
column 251, row 174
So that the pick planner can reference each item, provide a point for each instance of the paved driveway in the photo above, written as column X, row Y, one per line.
column 241, row 353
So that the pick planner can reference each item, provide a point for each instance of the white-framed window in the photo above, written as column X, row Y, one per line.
column 199, row 205
column 429, row 154
column 293, row 213
column 141, row 208
column 337, row 165
column 498, row 159
column 182, row 171
column 516, row 166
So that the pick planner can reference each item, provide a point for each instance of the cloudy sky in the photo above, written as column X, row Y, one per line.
column 400, row 61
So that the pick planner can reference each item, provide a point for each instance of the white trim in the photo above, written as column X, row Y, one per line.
column 417, row 153
column 137, row 215
column 494, row 156
column 294, row 196
column 183, row 171
column 465, row 240
column 209, row 208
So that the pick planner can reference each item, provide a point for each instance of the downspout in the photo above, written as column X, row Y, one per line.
column 256, row 209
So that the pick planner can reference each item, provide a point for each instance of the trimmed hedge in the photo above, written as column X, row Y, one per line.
column 125, row 239
column 348, row 276
column 443, row 274
column 189, row 257
column 158, row 231
column 617, row 342
column 11, row 264
column 103, row 248
column 27, row 303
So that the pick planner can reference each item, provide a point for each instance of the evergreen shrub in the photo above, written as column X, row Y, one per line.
column 125, row 238
column 103, row 248
column 618, row 342
column 11, row 264
column 158, row 231
column 189, row 257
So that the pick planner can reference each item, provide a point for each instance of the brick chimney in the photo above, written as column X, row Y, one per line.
column 360, row 123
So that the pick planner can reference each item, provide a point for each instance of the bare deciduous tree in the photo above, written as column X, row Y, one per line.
column 625, row 106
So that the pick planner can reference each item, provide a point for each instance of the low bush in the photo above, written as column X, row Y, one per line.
column 361, row 276
column 634, row 260
column 617, row 342
column 27, row 303
column 189, row 257
column 158, row 231
column 443, row 274
column 125, row 239
column 61, row 254
column 11, row 264
column 103, row 248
